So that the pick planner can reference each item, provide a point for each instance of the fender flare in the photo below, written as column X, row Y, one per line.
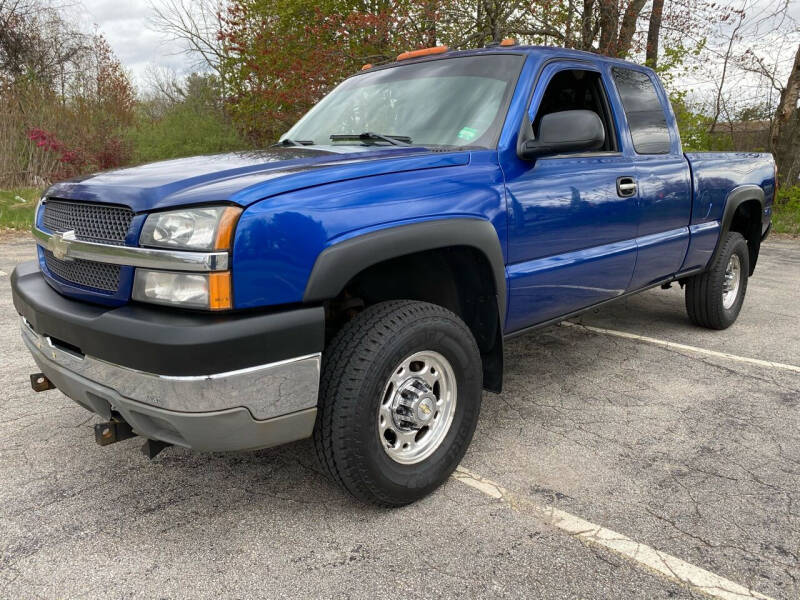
column 735, row 198
column 339, row 263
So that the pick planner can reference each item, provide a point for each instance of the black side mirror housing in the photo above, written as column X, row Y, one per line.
column 564, row 131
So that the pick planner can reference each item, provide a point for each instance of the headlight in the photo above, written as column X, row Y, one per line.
column 201, row 229
column 206, row 228
column 208, row 291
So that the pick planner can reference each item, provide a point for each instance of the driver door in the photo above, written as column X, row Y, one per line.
column 572, row 217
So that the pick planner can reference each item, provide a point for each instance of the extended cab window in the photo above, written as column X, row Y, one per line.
column 646, row 118
column 577, row 89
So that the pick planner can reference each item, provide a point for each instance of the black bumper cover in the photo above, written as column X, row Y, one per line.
column 163, row 341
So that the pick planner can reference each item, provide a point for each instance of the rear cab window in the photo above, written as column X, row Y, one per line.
column 647, row 120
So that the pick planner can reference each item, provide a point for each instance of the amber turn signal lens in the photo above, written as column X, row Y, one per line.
column 366, row 66
column 219, row 291
column 227, row 224
column 508, row 42
column 423, row 52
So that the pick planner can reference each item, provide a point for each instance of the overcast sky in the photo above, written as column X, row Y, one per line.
column 124, row 23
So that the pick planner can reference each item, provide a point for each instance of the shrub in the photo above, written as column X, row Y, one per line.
column 183, row 130
column 786, row 211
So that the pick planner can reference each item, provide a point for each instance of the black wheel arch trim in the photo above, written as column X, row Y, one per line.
column 338, row 264
column 736, row 197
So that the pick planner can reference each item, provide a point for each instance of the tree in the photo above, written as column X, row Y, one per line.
column 719, row 103
column 282, row 56
column 653, row 32
column 64, row 96
column 196, row 23
column 760, row 75
column 785, row 132
column 38, row 44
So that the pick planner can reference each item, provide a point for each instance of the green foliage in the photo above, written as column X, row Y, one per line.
column 192, row 122
column 16, row 207
column 693, row 124
column 786, row 211
column 672, row 62
column 694, row 127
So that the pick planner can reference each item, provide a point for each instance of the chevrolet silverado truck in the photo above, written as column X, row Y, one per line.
column 355, row 282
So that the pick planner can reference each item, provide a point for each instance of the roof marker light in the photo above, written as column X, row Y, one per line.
column 508, row 42
column 423, row 52
column 366, row 66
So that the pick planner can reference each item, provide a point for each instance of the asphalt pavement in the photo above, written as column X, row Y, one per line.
column 682, row 440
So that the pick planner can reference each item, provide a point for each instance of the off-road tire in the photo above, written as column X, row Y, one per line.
column 355, row 368
column 704, row 292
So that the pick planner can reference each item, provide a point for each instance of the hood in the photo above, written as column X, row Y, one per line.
column 245, row 177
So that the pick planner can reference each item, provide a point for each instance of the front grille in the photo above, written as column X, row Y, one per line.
column 100, row 276
column 90, row 222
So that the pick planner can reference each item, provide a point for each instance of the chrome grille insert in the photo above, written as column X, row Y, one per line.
column 90, row 222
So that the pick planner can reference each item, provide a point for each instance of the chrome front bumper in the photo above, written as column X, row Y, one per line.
column 250, row 408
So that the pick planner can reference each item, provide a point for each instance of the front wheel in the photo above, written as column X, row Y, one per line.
column 715, row 297
column 399, row 401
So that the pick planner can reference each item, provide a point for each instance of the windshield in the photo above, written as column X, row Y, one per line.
column 458, row 101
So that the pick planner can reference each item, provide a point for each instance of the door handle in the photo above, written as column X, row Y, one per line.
column 626, row 186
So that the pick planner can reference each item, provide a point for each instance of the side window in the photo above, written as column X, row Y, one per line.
column 576, row 89
column 644, row 111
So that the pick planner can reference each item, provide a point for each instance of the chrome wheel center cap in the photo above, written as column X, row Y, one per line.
column 414, row 404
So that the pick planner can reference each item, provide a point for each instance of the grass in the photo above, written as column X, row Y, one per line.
column 16, row 207
column 786, row 212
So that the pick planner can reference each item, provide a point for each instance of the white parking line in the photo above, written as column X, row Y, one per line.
column 661, row 563
column 685, row 347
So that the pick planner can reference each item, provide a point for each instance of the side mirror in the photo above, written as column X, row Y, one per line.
column 565, row 131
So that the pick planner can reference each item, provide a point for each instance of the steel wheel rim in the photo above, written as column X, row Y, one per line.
column 417, row 407
column 731, row 281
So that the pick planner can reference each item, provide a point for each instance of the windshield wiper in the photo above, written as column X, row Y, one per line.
column 394, row 140
column 288, row 142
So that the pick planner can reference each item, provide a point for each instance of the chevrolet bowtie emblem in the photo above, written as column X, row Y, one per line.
column 59, row 244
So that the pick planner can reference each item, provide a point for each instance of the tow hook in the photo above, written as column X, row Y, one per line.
column 117, row 429
column 40, row 383
column 112, row 431
column 153, row 448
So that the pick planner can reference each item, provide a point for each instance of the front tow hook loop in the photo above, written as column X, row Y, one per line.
column 111, row 432
column 40, row 383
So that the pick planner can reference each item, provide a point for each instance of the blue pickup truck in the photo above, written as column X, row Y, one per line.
column 355, row 282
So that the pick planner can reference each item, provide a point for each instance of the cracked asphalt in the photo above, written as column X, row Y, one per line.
column 695, row 455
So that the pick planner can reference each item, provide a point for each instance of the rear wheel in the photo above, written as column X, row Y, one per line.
column 715, row 297
column 399, row 401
